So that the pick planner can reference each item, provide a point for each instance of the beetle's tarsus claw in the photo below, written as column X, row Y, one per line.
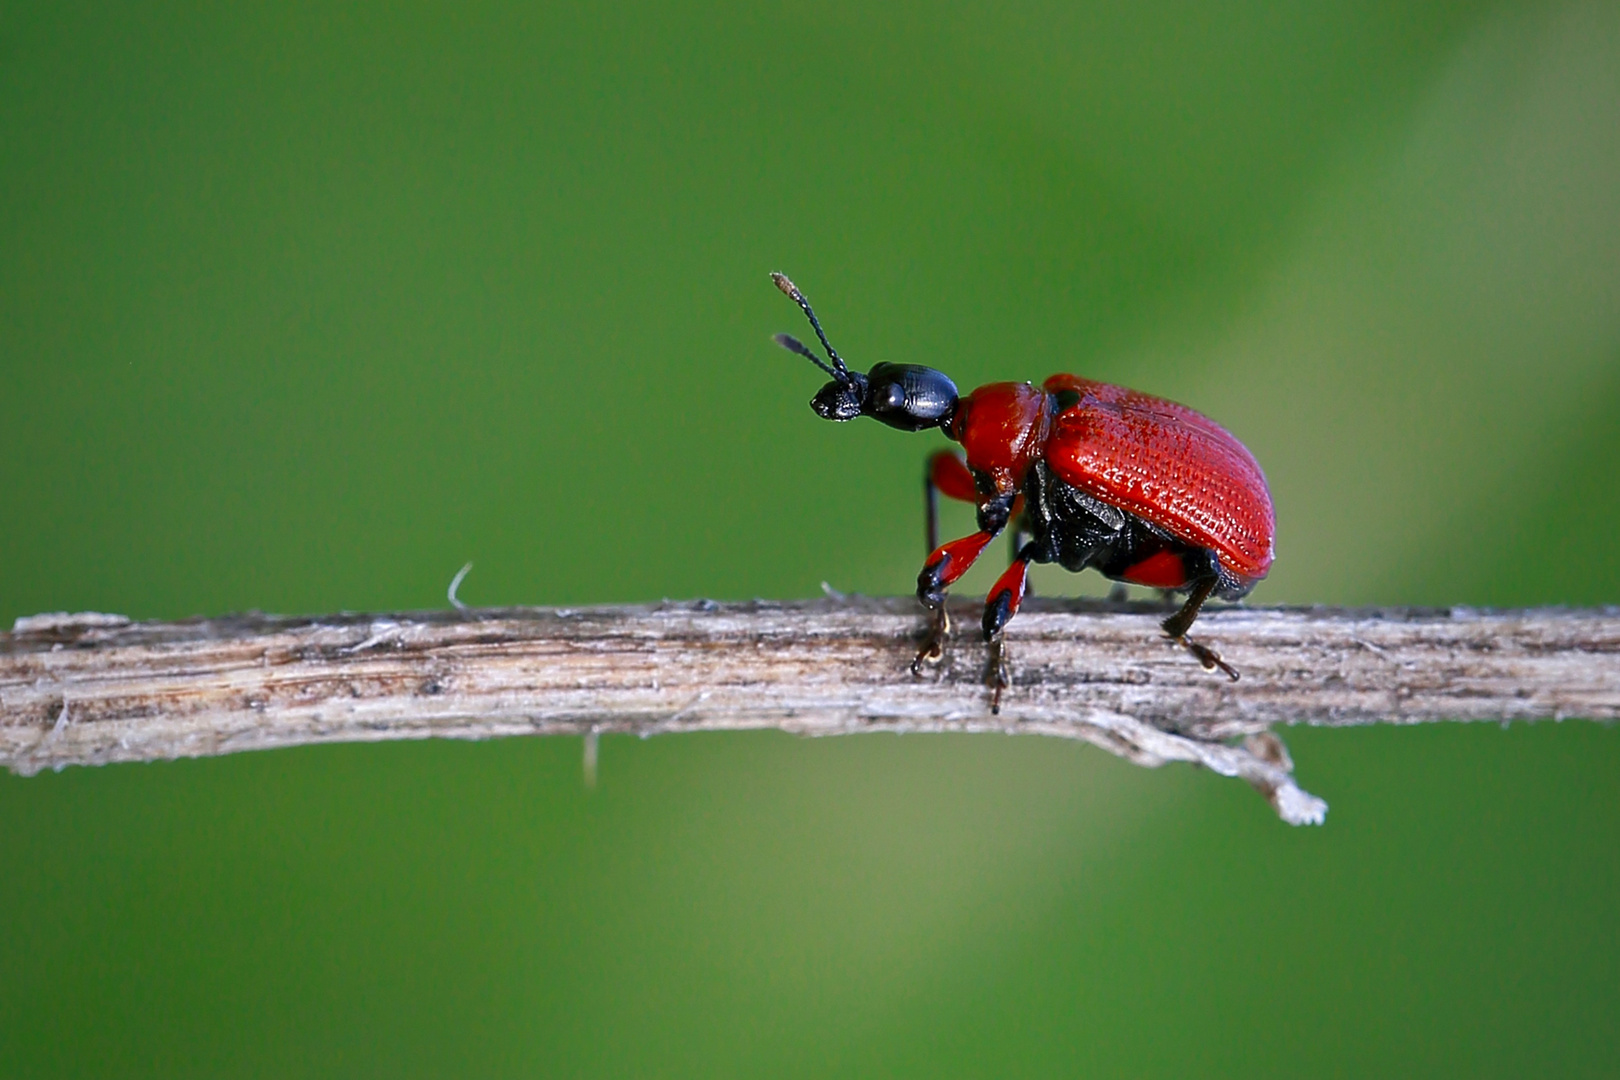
column 931, row 653
column 1206, row 656
column 996, row 677
column 933, row 647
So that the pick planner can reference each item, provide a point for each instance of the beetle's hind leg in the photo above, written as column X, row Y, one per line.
column 1177, row 625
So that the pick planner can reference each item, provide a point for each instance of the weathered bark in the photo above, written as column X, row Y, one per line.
column 90, row 689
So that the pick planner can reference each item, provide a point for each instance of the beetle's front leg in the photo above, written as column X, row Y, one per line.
column 947, row 563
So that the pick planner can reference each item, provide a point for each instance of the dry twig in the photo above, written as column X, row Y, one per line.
column 88, row 689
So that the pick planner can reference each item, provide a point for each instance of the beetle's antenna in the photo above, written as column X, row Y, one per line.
column 842, row 372
column 794, row 345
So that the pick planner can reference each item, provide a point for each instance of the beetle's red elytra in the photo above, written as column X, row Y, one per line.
column 1134, row 486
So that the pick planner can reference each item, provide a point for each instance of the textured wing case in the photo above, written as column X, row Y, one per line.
column 1167, row 464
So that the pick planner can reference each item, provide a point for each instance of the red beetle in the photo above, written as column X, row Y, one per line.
column 1137, row 487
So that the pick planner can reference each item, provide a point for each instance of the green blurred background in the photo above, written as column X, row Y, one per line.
column 303, row 306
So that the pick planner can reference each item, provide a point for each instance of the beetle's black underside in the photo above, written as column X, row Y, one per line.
column 1078, row 531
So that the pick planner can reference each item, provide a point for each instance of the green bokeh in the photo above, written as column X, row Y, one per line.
column 301, row 308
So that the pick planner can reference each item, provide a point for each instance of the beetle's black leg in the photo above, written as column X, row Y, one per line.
column 1177, row 625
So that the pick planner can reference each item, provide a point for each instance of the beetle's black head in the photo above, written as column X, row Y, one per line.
column 905, row 396
column 841, row 399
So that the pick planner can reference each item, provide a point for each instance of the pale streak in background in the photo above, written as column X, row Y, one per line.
column 1469, row 280
column 1488, row 243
